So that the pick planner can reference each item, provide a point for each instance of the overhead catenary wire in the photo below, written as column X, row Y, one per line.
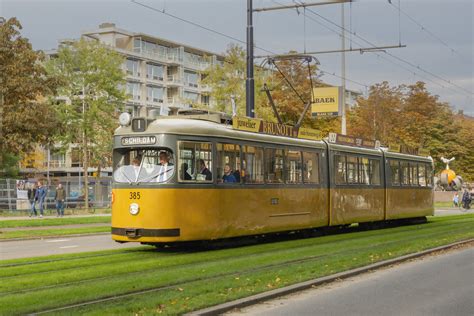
column 423, row 28
column 392, row 55
column 195, row 24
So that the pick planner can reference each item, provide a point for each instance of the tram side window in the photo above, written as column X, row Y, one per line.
column 274, row 165
column 421, row 174
column 310, row 167
column 395, row 171
column 374, row 171
column 352, row 173
column 293, row 167
column 429, row 175
column 195, row 161
column 228, row 163
column 252, row 165
column 340, row 169
column 405, row 173
column 364, row 173
column 414, row 173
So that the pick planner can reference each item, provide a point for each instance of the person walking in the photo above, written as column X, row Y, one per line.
column 466, row 199
column 59, row 197
column 456, row 199
column 40, row 196
column 32, row 198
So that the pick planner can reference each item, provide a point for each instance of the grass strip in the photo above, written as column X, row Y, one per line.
column 150, row 265
column 377, row 244
column 66, row 272
column 35, row 222
column 202, row 294
column 53, row 232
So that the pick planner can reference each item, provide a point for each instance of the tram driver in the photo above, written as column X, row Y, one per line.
column 166, row 168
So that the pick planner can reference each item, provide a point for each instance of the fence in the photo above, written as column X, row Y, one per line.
column 13, row 193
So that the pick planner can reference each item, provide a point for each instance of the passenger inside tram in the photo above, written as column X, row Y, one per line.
column 204, row 173
column 228, row 176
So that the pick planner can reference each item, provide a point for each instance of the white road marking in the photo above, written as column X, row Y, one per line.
column 58, row 240
column 65, row 247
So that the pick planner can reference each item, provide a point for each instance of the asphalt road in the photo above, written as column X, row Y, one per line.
column 61, row 245
column 435, row 285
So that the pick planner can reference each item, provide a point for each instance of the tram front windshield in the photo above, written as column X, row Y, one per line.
column 136, row 165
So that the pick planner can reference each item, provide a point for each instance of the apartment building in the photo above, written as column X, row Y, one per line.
column 162, row 76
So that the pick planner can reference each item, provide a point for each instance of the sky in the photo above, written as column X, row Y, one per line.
column 439, row 34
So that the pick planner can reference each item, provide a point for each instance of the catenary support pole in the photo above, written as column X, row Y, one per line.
column 249, row 83
column 343, row 73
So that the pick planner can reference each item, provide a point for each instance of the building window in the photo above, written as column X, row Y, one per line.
column 154, row 72
column 133, row 90
column 228, row 156
column 191, row 79
column 154, row 94
column 76, row 157
column 252, row 164
column 191, row 96
column 137, row 45
column 195, row 161
column 133, row 67
column 205, row 99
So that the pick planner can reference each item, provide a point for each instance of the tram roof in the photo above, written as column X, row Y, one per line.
column 205, row 128
column 390, row 154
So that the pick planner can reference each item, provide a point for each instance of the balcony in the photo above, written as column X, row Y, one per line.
column 174, row 80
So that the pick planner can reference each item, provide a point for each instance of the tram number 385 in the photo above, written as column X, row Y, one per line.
column 134, row 196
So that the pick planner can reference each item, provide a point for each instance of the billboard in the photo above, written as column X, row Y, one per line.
column 327, row 101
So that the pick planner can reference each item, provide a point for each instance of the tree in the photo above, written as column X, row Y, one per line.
column 90, row 76
column 410, row 115
column 26, row 118
column 227, row 80
column 375, row 117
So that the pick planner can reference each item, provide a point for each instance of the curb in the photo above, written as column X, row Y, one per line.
column 52, row 237
column 258, row 298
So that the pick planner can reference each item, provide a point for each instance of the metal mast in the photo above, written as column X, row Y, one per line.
column 249, row 83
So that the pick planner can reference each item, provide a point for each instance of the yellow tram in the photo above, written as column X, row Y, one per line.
column 188, row 178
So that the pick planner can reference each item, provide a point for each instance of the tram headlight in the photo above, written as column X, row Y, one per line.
column 134, row 208
column 125, row 119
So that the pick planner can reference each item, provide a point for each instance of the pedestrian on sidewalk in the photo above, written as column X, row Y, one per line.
column 60, row 197
column 41, row 196
column 32, row 198
column 456, row 199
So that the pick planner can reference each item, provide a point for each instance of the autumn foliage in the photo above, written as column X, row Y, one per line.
column 410, row 115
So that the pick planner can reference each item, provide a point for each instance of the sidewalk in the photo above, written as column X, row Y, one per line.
column 52, row 216
column 10, row 229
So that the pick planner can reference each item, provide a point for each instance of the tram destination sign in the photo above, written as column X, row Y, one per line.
column 336, row 138
column 138, row 140
column 270, row 128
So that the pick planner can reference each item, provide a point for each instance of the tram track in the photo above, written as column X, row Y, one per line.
column 154, row 258
column 240, row 272
column 177, row 285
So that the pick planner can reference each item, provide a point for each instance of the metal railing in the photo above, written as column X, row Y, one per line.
column 13, row 193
